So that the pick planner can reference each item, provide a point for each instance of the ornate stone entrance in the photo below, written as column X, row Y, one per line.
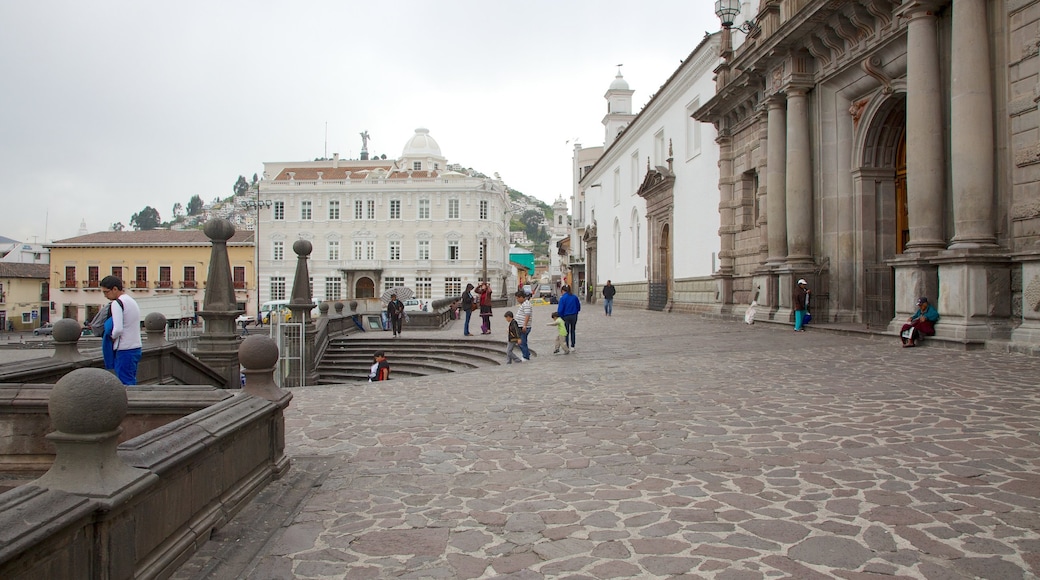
column 658, row 190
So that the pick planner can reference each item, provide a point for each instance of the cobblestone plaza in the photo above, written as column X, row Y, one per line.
column 666, row 446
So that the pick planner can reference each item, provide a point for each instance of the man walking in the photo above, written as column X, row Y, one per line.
column 524, row 317
column 395, row 312
column 126, row 329
column 608, row 299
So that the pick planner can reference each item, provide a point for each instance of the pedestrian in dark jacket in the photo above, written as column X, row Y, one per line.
column 568, row 309
column 801, row 304
column 395, row 313
column 608, row 299
column 467, row 307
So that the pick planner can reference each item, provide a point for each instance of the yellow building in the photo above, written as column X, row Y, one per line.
column 150, row 263
column 23, row 295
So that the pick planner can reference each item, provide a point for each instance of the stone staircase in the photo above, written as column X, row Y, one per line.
column 348, row 359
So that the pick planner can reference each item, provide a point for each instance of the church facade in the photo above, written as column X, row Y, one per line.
column 649, row 204
column 375, row 224
column 883, row 150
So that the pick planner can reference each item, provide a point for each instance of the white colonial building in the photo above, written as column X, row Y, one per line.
column 650, row 202
column 377, row 224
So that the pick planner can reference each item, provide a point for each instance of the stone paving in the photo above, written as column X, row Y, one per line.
column 671, row 446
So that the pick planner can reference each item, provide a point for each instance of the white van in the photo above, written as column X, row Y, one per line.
column 282, row 307
column 279, row 306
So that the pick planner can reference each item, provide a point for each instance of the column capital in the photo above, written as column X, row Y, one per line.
column 912, row 9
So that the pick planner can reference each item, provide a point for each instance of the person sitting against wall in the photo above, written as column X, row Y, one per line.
column 922, row 323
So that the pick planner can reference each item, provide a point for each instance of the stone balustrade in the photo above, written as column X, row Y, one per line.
column 140, row 508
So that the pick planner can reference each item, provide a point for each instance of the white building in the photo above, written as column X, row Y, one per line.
column 377, row 224
column 22, row 252
column 651, row 201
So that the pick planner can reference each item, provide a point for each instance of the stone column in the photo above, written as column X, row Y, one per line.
column 776, row 181
column 799, row 179
column 727, row 203
column 924, row 129
column 971, row 128
column 218, row 345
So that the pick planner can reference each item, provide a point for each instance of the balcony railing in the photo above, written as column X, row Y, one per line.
column 139, row 284
column 240, row 285
column 69, row 284
column 93, row 285
column 164, row 284
column 189, row 284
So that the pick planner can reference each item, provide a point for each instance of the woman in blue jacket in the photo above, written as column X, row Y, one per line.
column 568, row 310
column 922, row 323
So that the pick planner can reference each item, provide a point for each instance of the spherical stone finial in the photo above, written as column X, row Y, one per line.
column 302, row 247
column 323, row 308
column 258, row 352
column 155, row 322
column 353, row 305
column 339, row 307
column 87, row 401
column 67, row 330
column 219, row 229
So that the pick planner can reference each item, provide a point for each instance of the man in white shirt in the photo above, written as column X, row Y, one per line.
column 126, row 329
column 524, row 317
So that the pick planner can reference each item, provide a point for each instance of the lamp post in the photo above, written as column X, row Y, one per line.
column 727, row 11
column 257, row 204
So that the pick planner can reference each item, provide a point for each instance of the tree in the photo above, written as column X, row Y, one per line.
column 241, row 186
column 178, row 209
column 195, row 205
column 533, row 220
column 146, row 219
column 118, row 227
column 255, row 179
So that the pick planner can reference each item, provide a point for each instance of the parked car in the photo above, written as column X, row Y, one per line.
column 46, row 329
column 545, row 291
column 528, row 290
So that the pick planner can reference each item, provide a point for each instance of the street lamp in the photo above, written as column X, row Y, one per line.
column 257, row 204
column 728, row 10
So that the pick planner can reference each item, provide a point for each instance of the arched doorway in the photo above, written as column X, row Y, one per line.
column 364, row 287
column 880, row 185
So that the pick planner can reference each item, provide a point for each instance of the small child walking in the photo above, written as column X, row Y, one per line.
column 514, row 339
column 561, row 334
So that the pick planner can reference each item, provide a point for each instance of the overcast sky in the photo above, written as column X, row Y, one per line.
column 110, row 106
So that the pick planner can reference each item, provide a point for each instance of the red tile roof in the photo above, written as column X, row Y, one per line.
column 149, row 237
column 19, row 270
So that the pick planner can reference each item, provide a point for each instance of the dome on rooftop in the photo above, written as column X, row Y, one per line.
column 619, row 84
column 421, row 145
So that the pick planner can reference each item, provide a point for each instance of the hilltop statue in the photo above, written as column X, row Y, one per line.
column 364, row 145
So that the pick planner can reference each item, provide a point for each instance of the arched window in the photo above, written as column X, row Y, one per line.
column 617, row 241
column 635, row 226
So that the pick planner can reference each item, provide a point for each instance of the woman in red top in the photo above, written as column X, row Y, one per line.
column 484, row 293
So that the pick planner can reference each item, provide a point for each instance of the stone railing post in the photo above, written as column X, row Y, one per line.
column 218, row 345
column 302, row 372
column 155, row 329
column 86, row 408
column 259, row 357
column 66, row 340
